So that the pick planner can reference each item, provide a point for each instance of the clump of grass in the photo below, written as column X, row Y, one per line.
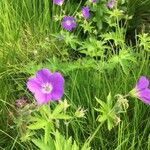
column 29, row 42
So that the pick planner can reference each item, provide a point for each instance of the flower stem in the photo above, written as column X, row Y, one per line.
column 88, row 141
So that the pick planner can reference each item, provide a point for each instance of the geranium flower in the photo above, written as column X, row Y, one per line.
column 86, row 12
column 94, row 1
column 68, row 23
column 58, row 2
column 110, row 4
column 141, row 90
column 46, row 86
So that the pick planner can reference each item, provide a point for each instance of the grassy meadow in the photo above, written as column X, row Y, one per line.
column 101, row 61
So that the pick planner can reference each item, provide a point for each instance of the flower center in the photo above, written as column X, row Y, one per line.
column 60, row 3
column 47, row 88
column 68, row 22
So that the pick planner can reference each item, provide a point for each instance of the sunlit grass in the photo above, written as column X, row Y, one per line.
column 26, row 43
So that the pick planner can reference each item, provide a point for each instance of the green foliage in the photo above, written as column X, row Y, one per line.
column 93, row 47
column 144, row 41
column 94, row 59
column 46, row 118
column 107, row 112
column 124, row 59
column 110, row 112
column 59, row 143
column 116, row 37
column 87, row 27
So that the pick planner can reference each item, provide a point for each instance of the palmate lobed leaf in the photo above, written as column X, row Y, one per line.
column 38, row 125
column 93, row 47
column 144, row 41
column 118, row 38
column 103, row 104
column 59, row 108
column 39, row 122
column 107, row 112
column 124, row 59
column 59, row 142
column 43, row 146
column 47, row 130
column 58, row 112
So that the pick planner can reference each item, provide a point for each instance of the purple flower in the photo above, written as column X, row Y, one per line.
column 94, row 1
column 141, row 90
column 68, row 23
column 46, row 86
column 86, row 12
column 110, row 4
column 58, row 2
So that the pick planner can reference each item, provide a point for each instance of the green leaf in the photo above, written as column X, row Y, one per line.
column 39, row 143
column 75, row 146
column 103, row 104
column 59, row 108
column 62, row 116
column 47, row 130
column 102, row 118
column 38, row 125
column 68, row 144
column 125, row 59
column 109, row 100
column 59, row 141
column 110, row 124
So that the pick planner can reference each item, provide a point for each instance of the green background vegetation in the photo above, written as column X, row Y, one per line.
column 28, row 42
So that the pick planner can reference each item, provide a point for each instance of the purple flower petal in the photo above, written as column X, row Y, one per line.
column 42, row 98
column 68, row 23
column 58, row 83
column 94, row 1
column 33, row 85
column 110, row 4
column 43, row 75
column 86, row 12
column 46, row 86
column 144, row 95
column 70, row 18
column 58, row 2
column 142, row 83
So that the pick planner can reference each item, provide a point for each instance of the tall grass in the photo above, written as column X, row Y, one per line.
column 24, row 28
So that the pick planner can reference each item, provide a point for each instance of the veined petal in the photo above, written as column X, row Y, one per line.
column 85, row 12
column 143, row 83
column 110, row 4
column 58, row 2
column 94, row 1
column 42, row 98
column 68, row 22
column 43, row 75
column 144, row 95
column 58, row 86
column 33, row 85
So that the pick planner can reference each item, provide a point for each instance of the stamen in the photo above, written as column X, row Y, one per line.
column 47, row 88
